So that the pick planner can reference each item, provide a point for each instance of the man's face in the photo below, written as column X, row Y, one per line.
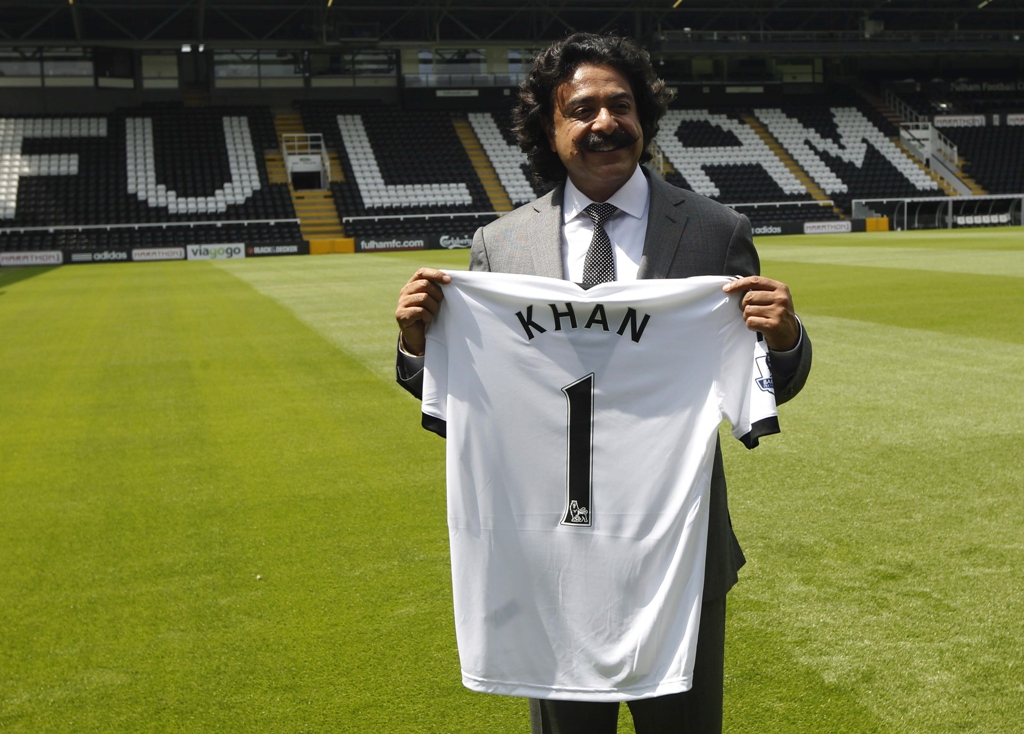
column 596, row 131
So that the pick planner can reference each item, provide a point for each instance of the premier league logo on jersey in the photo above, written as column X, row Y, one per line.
column 765, row 371
column 578, row 515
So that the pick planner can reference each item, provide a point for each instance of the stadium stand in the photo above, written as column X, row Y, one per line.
column 768, row 214
column 369, row 178
column 405, row 173
column 848, row 150
column 996, row 94
column 503, row 121
column 494, row 132
column 924, row 100
column 993, row 156
column 926, row 104
column 713, row 152
column 720, row 156
column 105, row 181
column 786, row 117
column 161, row 175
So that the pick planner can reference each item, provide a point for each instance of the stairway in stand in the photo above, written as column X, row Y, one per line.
column 318, row 217
column 195, row 96
column 892, row 116
column 315, row 208
column 288, row 123
column 787, row 160
column 883, row 109
column 275, row 167
column 482, row 165
column 975, row 187
column 337, row 172
column 944, row 185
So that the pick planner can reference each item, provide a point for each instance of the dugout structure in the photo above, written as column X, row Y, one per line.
column 944, row 212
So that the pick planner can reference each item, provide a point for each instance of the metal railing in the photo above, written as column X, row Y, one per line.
column 880, row 37
column 454, row 215
column 402, row 217
column 901, row 108
column 143, row 225
column 813, row 202
column 300, row 148
column 925, row 141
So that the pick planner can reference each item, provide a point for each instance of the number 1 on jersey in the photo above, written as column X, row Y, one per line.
column 579, row 397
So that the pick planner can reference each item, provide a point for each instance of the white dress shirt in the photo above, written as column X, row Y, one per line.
column 626, row 230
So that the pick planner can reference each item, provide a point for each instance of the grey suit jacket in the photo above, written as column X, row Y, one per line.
column 687, row 235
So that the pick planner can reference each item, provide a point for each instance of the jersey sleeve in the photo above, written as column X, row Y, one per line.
column 760, row 416
column 746, row 392
column 435, row 377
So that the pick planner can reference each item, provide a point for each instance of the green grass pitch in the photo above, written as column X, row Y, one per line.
column 219, row 513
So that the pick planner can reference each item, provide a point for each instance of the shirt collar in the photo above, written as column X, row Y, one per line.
column 631, row 197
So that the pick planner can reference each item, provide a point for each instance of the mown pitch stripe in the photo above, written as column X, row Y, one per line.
column 972, row 262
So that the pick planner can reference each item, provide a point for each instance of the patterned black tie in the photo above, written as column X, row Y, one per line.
column 599, row 266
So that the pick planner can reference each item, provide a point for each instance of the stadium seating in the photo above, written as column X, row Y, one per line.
column 374, row 191
column 411, row 227
column 993, row 156
column 407, row 174
column 508, row 160
column 721, row 156
column 761, row 215
column 398, row 164
column 148, row 165
column 503, row 122
column 848, row 154
column 927, row 102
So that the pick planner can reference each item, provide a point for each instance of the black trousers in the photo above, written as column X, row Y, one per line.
column 697, row 711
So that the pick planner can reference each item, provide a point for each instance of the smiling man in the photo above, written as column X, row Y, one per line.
column 595, row 130
column 585, row 118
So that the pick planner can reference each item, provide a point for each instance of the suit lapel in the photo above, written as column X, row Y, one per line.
column 666, row 221
column 544, row 235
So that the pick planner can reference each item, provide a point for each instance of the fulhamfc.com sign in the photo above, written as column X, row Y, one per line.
column 216, row 252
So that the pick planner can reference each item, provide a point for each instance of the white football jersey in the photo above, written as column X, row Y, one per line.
column 581, row 429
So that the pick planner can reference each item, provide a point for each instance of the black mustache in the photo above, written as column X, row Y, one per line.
column 617, row 140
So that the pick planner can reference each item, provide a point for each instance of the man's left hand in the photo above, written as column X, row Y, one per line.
column 768, row 307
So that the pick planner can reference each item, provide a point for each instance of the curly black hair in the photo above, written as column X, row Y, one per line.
column 555, row 65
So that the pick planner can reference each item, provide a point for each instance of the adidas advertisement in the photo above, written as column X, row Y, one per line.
column 762, row 230
column 99, row 256
column 216, row 252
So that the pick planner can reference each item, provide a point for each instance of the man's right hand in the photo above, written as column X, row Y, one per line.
column 417, row 305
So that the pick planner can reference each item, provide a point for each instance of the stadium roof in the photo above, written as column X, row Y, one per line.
column 264, row 23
